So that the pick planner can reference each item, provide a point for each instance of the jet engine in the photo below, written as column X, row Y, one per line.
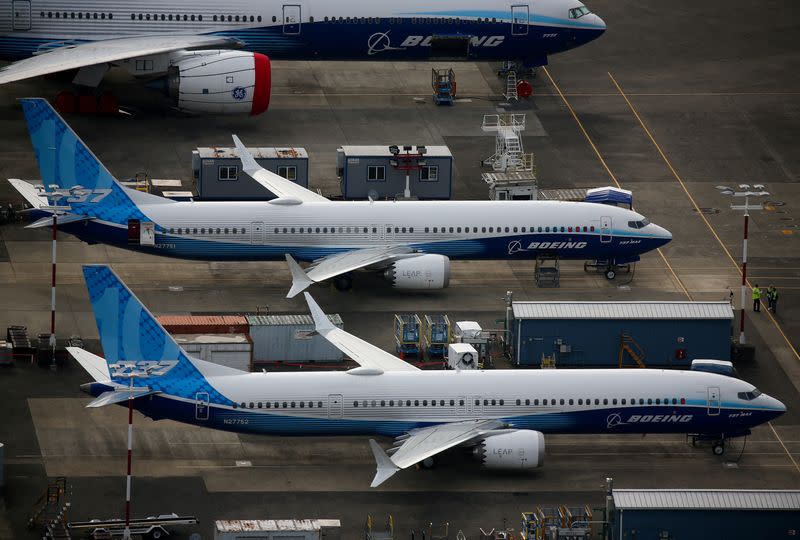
column 520, row 449
column 220, row 82
column 421, row 272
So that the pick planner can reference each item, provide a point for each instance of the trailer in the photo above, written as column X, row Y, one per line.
column 437, row 335
column 152, row 527
column 406, row 334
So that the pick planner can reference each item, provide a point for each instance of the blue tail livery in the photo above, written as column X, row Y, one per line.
column 136, row 345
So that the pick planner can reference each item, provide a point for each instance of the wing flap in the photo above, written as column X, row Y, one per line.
column 365, row 354
column 106, row 51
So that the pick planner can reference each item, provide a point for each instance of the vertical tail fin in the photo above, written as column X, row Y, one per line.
column 64, row 159
column 135, row 343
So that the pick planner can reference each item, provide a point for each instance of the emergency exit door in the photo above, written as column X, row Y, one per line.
column 257, row 232
column 291, row 19
column 713, row 401
column 335, row 405
column 519, row 20
column 21, row 13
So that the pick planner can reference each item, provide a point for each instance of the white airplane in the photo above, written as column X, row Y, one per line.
column 502, row 414
column 410, row 243
column 214, row 57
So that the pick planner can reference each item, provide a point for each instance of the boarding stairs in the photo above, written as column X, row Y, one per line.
column 508, row 154
column 511, row 86
column 630, row 346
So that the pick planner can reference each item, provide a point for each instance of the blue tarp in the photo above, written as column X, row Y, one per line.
column 610, row 195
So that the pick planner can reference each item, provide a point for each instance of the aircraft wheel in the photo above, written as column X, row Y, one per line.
column 610, row 274
column 343, row 282
column 718, row 448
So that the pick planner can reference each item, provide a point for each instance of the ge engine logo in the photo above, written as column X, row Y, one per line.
column 239, row 93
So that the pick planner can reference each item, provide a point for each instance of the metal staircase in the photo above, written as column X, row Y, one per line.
column 629, row 345
column 511, row 86
column 508, row 154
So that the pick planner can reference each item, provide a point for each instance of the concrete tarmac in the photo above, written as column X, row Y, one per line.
column 668, row 103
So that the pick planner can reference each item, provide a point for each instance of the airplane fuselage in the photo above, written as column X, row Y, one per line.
column 392, row 403
column 313, row 30
column 311, row 230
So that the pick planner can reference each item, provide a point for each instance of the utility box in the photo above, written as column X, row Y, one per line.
column 462, row 356
column 512, row 185
column 218, row 172
column 277, row 529
column 231, row 350
column 407, row 334
column 470, row 332
column 291, row 338
column 368, row 171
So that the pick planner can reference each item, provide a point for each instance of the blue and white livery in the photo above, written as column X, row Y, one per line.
column 502, row 414
column 194, row 44
column 410, row 242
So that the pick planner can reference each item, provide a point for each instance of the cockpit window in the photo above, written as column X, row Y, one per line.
column 749, row 396
column 639, row 224
column 578, row 12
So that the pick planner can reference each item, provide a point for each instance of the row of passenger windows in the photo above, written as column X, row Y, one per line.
column 398, row 20
column 199, row 18
column 74, row 15
column 366, row 230
column 461, row 402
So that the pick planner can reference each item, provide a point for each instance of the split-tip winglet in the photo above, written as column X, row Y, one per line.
column 300, row 280
column 321, row 321
column 386, row 467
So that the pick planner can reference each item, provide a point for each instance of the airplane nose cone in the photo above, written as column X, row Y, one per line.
column 777, row 406
column 662, row 234
column 599, row 23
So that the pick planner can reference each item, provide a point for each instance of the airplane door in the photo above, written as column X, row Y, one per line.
column 462, row 405
column 605, row 230
column 474, row 406
column 201, row 406
column 335, row 406
column 519, row 20
column 291, row 19
column 713, row 401
column 388, row 233
column 21, row 10
column 257, row 232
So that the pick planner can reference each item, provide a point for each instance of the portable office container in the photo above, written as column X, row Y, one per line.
column 277, row 529
column 204, row 324
column 366, row 171
column 607, row 334
column 291, row 338
column 231, row 350
column 219, row 177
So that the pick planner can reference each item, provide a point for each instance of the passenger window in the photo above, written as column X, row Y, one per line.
column 614, row 401
column 528, row 402
column 571, row 402
column 561, row 401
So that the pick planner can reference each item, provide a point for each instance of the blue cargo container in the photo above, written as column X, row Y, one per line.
column 704, row 514
column 609, row 334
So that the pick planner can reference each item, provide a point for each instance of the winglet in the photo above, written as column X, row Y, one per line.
column 300, row 280
column 249, row 164
column 386, row 467
column 321, row 321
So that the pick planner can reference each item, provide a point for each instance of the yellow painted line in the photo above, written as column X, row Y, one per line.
column 694, row 203
column 791, row 457
column 608, row 170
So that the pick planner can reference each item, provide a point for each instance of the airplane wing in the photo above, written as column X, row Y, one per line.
column 426, row 442
column 340, row 263
column 365, row 354
column 285, row 190
column 107, row 51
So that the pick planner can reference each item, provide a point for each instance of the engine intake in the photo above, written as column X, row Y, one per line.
column 421, row 272
column 520, row 449
column 220, row 82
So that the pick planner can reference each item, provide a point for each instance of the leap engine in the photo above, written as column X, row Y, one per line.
column 520, row 449
column 421, row 272
column 220, row 82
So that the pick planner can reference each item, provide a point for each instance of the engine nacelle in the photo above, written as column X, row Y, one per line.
column 521, row 449
column 220, row 82
column 421, row 272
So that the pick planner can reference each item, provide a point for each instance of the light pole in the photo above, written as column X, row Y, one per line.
column 744, row 191
column 408, row 162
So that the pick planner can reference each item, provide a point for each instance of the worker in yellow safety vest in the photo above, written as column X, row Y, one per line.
column 756, row 298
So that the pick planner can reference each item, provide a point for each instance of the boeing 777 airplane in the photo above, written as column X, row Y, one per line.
column 409, row 242
column 501, row 414
column 214, row 57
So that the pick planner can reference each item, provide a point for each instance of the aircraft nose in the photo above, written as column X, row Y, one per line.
column 598, row 22
column 776, row 405
column 662, row 234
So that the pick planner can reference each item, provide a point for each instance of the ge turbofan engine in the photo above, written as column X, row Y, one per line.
column 520, row 449
column 220, row 82
column 420, row 272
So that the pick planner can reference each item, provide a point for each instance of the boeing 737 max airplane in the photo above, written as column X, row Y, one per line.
column 410, row 242
column 191, row 45
column 502, row 414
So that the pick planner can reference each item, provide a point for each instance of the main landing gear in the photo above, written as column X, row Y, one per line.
column 343, row 282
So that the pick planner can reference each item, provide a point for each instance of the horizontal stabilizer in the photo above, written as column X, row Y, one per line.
column 29, row 192
column 61, row 219
column 386, row 467
column 117, row 396
column 94, row 365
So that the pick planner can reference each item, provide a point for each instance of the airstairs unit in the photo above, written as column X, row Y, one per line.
column 508, row 154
